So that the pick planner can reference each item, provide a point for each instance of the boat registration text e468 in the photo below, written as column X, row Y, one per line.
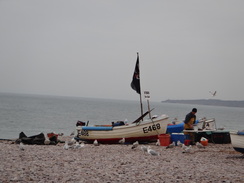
column 151, row 128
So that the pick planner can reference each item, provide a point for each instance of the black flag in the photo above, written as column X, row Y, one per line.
column 135, row 84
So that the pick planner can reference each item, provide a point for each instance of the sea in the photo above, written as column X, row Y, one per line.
column 34, row 114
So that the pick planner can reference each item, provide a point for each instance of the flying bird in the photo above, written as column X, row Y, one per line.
column 213, row 93
column 135, row 145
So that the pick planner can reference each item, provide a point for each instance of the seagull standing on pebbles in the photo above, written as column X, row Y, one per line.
column 122, row 141
column 187, row 149
column 95, row 143
column 157, row 143
column 135, row 145
column 144, row 149
column 66, row 145
column 71, row 142
column 199, row 145
column 78, row 145
column 152, row 152
column 21, row 146
column 47, row 141
column 60, row 134
column 184, row 147
column 179, row 143
column 171, row 145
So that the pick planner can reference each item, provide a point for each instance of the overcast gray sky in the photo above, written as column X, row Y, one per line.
column 88, row 48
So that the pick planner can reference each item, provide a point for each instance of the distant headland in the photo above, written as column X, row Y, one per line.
column 212, row 102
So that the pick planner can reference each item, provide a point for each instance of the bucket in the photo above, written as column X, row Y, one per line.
column 204, row 142
column 187, row 142
column 164, row 139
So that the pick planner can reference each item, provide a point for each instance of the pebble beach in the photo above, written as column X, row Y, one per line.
column 118, row 163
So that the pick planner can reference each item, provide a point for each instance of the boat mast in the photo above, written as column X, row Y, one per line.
column 140, row 85
column 135, row 84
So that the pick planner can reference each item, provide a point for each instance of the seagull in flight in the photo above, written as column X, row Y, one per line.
column 213, row 93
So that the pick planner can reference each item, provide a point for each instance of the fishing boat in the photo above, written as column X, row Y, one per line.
column 237, row 141
column 139, row 130
column 144, row 131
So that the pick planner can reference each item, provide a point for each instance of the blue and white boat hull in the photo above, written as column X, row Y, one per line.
column 237, row 141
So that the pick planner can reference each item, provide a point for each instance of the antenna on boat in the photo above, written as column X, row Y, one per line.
column 147, row 96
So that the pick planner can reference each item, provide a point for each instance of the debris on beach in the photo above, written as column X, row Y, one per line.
column 39, row 139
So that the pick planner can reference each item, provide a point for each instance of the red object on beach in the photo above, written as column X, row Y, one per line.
column 50, row 135
column 164, row 139
column 204, row 142
column 187, row 142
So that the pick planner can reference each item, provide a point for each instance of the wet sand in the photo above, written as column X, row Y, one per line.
column 119, row 163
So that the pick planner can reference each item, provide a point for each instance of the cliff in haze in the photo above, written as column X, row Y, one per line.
column 212, row 102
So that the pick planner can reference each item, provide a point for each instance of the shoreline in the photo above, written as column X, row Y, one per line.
column 118, row 163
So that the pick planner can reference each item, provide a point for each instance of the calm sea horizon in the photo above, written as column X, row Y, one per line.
column 33, row 114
